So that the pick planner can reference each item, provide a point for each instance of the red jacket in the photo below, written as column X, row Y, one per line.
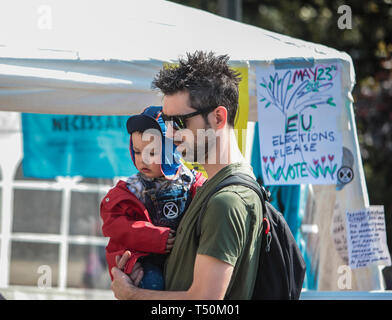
column 127, row 222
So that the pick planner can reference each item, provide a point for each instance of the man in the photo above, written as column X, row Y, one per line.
column 201, row 94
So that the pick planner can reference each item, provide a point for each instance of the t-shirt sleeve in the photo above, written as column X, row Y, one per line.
column 224, row 227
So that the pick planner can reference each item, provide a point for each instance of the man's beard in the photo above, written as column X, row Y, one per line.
column 200, row 152
column 197, row 154
column 202, row 156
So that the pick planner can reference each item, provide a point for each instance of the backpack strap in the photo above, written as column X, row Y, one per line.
column 237, row 179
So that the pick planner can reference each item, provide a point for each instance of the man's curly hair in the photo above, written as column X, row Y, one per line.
column 208, row 79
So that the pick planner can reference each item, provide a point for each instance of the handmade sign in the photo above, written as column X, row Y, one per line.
column 339, row 232
column 298, row 111
column 72, row 145
column 366, row 237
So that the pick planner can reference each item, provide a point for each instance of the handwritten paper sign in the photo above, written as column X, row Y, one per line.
column 366, row 237
column 339, row 232
column 298, row 112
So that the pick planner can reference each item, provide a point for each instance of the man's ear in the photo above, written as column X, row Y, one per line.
column 220, row 117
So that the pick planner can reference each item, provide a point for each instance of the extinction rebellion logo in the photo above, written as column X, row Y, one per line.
column 345, row 175
column 170, row 210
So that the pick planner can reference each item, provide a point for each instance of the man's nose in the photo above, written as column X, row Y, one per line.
column 173, row 134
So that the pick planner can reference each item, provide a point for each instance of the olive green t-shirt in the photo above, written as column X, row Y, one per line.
column 230, row 231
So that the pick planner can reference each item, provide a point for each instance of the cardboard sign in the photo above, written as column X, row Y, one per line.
column 366, row 237
column 298, row 110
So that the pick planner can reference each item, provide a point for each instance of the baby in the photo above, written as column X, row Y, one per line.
column 142, row 213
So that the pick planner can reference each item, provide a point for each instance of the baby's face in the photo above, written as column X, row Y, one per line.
column 147, row 154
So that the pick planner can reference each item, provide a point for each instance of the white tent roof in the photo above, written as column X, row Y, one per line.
column 99, row 57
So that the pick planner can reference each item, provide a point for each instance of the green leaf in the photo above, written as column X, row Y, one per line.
column 268, row 104
column 330, row 102
column 263, row 85
column 313, row 106
column 289, row 86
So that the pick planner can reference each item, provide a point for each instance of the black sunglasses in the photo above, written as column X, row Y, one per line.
column 178, row 122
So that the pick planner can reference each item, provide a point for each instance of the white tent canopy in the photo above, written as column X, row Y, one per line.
column 99, row 57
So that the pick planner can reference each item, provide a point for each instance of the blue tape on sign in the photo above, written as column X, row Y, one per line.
column 75, row 145
column 294, row 63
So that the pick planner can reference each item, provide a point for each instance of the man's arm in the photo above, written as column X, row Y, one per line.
column 211, row 278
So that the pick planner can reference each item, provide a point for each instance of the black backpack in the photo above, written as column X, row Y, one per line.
column 281, row 270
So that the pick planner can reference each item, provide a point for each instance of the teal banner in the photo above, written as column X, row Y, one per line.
column 75, row 145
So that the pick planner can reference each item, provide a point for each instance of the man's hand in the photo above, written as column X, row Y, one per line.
column 170, row 241
column 136, row 274
column 123, row 285
column 210, row 281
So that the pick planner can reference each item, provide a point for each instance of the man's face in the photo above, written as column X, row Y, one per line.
column 196, row 127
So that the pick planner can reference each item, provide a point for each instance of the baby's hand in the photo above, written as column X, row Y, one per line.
column 170, row 240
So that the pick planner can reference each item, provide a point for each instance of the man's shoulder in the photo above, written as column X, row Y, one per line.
column 230, row 194
column 232, row 199
column 235, row 194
